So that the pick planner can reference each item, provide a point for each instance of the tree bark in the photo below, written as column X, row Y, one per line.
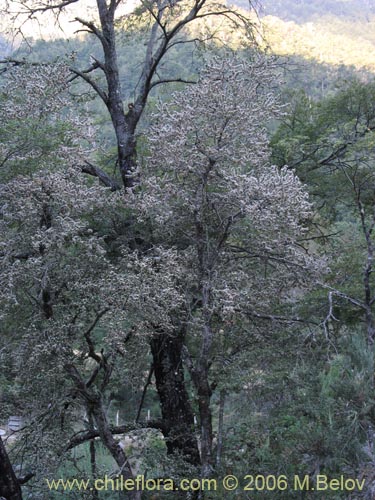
column 10, row 488
column 201, row 371
column 112, row 445
column 177, row 413
column 93, row 464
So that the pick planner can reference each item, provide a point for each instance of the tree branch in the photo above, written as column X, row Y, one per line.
column 26, row 478
column 281, row 319
column 83, row 436
column 92, row 28
column 329, row 316
column 344, row 296
column 89, row 341
column 83, row 74
column 91, row 169
column 148, row 382
column 44, row 8
column 170, row 80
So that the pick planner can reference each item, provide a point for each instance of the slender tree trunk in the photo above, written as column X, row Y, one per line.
column 367, row 229
column 176, row 410
column 9, row 485
column 220, row 429
column 204, row 401
column 95, row 408
column 370, row 323
column 112, row 445
column 201, row 372
column 95, row 493
column 94, row 470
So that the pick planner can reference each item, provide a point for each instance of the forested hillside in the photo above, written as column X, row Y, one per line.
column 187, row 214
column 333, row 32
column 336, row 32
column 328, row 40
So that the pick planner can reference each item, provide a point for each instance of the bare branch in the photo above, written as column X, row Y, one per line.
column 26, row 478
column 58, row 6
column 83, row 436
column 89, row 341
column 83, row 74
column 280, row 319
column 91, row 27
column 344, row 296
column 148, row 382
column 330, row 315
column 95, row 171
column 171, row 80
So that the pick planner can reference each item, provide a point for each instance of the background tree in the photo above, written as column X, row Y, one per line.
column 165, row 25
column 330, row 145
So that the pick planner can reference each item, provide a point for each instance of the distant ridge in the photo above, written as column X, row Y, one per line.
column 301, row 11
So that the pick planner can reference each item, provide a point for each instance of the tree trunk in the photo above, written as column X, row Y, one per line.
column 10, row 488
column 124, row 124
column 96, row 410
column 200, row 374
column 166, row 351
column 98, row 413
column 204, row 400
column 220, row 429
column 176, row 410
column 93, row 464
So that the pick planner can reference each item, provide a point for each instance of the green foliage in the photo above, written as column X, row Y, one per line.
column 315, row 136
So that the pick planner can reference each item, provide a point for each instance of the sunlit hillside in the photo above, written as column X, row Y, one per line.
column 327, row 40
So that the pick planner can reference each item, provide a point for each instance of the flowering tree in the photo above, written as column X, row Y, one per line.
column 223, row 231
column 234, row 218
column 33, row 134
column 164, row 26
